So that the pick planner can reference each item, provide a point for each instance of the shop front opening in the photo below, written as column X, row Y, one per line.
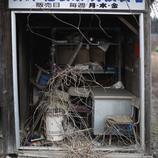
column 79, row 81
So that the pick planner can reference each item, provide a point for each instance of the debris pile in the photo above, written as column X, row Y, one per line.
column 63, row 116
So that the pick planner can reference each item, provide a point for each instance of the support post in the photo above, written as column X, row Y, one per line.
column 142, row 82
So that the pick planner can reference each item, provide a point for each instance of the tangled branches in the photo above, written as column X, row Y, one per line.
column 70, row 96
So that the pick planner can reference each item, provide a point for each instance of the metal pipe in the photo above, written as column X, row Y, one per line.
column 15, row 79
column 142, row 81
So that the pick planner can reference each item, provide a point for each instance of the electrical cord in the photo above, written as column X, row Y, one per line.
column 76, row 27
column 40, row 35
column 102, row 27
column 69, row 24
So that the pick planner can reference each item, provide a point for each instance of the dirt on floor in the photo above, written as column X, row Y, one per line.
column 154, row 108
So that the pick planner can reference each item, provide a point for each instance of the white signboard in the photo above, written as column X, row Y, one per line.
column 78, row 4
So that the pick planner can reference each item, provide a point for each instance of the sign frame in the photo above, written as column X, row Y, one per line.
column 83, row 5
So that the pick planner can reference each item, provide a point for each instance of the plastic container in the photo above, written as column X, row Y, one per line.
column 54, row 125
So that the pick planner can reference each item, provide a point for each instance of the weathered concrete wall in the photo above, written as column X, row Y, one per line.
column 0, row 88
column 6, row 86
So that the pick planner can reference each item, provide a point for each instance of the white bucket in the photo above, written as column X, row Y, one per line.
column 54, row 126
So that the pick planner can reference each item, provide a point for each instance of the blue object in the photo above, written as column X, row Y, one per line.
column 44, row 78
column 139, row 1
column 130, row 129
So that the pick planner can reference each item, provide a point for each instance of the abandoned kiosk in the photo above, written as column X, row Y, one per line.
column 75, row 78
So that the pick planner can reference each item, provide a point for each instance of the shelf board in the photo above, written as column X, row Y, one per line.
column 99, row 72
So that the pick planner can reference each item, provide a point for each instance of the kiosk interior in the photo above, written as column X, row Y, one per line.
column 78, row 74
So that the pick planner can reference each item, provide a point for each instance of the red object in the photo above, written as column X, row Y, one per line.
column 137, row 49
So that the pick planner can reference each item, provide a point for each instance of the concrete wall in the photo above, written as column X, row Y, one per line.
column 6, row 85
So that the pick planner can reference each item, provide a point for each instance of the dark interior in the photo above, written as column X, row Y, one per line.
column 40, row 35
